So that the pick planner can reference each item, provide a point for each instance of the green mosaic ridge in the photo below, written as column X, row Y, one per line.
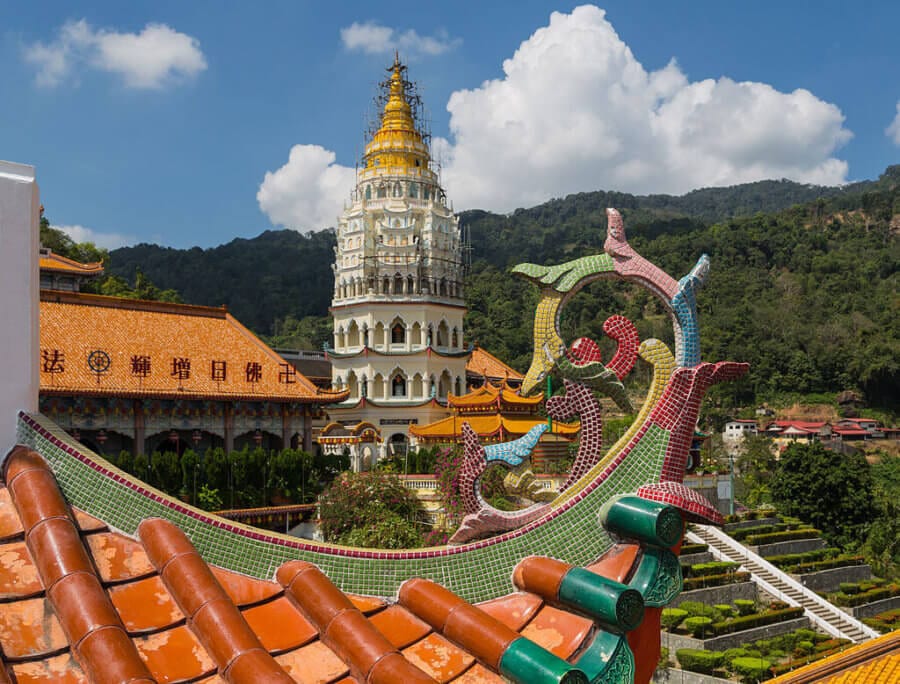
column 475, row 574
column 563, row 277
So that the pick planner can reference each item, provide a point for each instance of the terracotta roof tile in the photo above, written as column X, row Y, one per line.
column 181, row 619
column 156, row 349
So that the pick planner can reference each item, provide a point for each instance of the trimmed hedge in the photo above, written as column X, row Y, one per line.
column 782, row 560
column 839, row 562
column 715, row 580
column 698, row 660
column 757, row 620
column 687, row 549
column 745, row 606
column 700, row 627
column 864, row 597
column 751, row 669
column 787, row 535
column 672, row 617
column 711, row 568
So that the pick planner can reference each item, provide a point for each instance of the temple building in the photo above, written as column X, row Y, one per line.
column 61, row 273
column 121, row 374
column 497, row 413
column 398, row 307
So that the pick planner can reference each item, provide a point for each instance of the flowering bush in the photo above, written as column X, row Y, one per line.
column 447, row 466
column 370, row 509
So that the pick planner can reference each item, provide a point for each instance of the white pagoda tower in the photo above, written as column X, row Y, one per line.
column 398, row 294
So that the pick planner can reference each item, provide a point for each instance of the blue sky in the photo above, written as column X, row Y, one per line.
column 195, row 123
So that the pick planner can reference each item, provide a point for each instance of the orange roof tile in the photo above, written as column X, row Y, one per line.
column 488, row 425
column 55, row 262
column 156, row 349
column 89, row 614
column 482, row 362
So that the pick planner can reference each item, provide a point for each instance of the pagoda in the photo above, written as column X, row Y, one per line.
column 398, row 296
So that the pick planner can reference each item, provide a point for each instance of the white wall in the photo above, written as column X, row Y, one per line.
column 19, row 290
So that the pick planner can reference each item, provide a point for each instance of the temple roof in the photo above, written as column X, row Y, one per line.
column 82, row 602
column 94, row 345
column 55, row 262
column 871, row 662
column 483, row 363
column 490, row 395
column 489, row 425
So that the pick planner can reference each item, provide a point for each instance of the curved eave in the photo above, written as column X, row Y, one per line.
column 366, row 351
column 329, row 398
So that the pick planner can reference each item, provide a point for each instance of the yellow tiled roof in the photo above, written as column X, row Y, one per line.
column 486, row 426
column 488, row 394
column 484, row 363
column 55, row 262
column 872, row 662
column 118, row 347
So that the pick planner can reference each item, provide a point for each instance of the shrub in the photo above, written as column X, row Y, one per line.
column 712, row 568
column 842, row 561
column 698, row 626
column 850, row 587
column 687, row 549
column 696, row 608
column 804, row 648
column 751, row 670
column 787, row 535
column 725, row 610
column 664, row 661
column 732, row 653
column 715, row 580
column 698, row 660
column 744, row 606
column 672, row 617
column 757, row 620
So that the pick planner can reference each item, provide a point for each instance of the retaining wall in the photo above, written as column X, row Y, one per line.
column 830, row 580
column 675, row 641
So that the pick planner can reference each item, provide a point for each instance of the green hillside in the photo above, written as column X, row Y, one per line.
column 807, row 294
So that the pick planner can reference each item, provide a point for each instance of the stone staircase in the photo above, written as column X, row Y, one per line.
column 782, row 586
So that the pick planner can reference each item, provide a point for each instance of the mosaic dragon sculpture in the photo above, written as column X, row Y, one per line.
column 673, row 401
column 598, row 562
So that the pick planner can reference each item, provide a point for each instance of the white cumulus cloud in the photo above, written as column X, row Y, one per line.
column 308, row 191
column 376, row 39
column 157, row 56
column 106, row 240
column 576, row 111
column 893, row 131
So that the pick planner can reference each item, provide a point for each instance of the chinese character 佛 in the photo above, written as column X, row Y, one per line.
column 254, row 371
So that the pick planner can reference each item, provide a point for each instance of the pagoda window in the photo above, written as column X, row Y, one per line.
column 418, row 388
column 442, row 334
column 412, row 186
column 458, row 390
column 398, row 333
column 353, row 385
column 442, row 289
column 410, row 284
column 444, row 385
column 382, row 192
column 416, row 335
column 398, row 192
column 454, row 339
column 368, row 192
column 398, row 284
column 398, row 386
column 386, row 285
column 378, row 386
column 353, row 335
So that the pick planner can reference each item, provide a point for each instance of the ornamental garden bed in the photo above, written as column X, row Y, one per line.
column 761, row 659
column 886, row 621
column 854, row 594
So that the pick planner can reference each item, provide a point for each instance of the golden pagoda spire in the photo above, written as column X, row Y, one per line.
column 397, row 146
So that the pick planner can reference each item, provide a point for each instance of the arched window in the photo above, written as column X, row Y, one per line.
column 398, row 386
column 368, row 192
column 454, row 339
column 398, row 333
column 412, row 188
column 378, row 386
column 397, row 191
column 382, row 191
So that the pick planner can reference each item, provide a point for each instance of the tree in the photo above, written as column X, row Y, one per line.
column 831, row 490
column 882, row 547
column 370, row 509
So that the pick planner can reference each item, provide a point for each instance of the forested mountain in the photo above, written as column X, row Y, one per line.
column 807, row 294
